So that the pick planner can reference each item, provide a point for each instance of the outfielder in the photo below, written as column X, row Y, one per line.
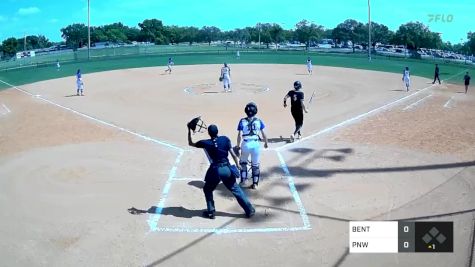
column 466, row 80
column 249, row 129
column 406, row 77
column 309, row 66
column 297, row 107
column 436, row 74
column 79, row 83
column 226, row 77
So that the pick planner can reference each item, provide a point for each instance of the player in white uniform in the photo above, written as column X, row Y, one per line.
column 58, row 66
column 309, row 66
column 169, row 65
column 226, row 77
column 79, row 83
column 249, row 129
column 406, row 77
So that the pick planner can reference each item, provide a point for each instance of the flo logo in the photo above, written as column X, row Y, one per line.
column 441, row 18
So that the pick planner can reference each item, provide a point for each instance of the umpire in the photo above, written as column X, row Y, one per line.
column 436, row 74
column 217, row 149
column 297, row 107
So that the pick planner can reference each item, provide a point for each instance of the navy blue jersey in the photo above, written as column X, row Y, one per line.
column 466, row 78
column 296, row 98
column 216, row 149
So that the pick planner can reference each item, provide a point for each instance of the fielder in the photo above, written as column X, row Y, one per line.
column 79, row 83
column 226, row 77
column 58, row 66
column 466, row 79
column 169, row 65
column 406, row 77
column 436, row 74
column 297, row 107
column 249, row 129
column 309, row 66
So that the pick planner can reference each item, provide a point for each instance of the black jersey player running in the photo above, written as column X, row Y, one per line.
column 297, row 107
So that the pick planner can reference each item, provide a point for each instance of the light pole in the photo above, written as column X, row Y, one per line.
column 369, row 31
column 88, row 31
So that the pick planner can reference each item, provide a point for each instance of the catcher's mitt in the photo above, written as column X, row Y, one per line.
column 196, row 124
column 221, row 78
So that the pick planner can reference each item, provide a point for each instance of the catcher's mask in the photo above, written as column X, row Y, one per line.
column 197, row 125
column 251, row 109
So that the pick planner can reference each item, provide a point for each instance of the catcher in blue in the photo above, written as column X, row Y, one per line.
column 217, row 149
column 249, row 129
column 297, row 107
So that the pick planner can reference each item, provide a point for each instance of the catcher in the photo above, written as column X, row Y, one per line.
column 249, row 129
column 217, row 149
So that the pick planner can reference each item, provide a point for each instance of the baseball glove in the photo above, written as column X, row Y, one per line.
column 221, row 78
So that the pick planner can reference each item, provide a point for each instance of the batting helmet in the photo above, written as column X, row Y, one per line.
column 251, row 109
column 297, row 85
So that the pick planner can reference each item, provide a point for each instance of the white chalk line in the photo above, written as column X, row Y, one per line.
column 294, row 192
column 6, row 109
column 356, row 118
column 147, row 138
column 231, row 230
column 448, row 102
column 154, row 218
column 417, row 102
column 202, row 178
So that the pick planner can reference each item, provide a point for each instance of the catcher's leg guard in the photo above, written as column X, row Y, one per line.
column 256, row 172
column 243, row 171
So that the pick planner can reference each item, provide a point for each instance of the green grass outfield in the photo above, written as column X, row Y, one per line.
column 424, row 68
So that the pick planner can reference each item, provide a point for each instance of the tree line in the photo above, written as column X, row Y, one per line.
column 413, row 35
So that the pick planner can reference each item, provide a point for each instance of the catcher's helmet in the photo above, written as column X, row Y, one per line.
column 297, row 85
column 251, row 109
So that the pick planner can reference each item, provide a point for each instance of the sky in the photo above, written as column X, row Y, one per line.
column 47, row 17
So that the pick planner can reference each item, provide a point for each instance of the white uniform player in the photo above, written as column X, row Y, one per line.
column 249, row 129
column 406, row 77
column 79, row 83
column 169, row 65
column 226, row 77
column 309, row 66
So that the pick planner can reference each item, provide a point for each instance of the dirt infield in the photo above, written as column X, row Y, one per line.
column 71, row 167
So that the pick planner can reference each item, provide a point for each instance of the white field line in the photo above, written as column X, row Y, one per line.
column 417, row 102
column 448, row 102
column 144, row 137
column 361, row 116
column 6, row 108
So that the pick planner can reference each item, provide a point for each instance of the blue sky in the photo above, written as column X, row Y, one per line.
column 47, row 17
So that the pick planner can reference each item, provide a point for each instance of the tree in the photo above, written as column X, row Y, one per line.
column 75, row 35
column 152, row 30
column 209, row 34
column 415, row 35
column 350, row 30
column 380, row 33
column 190, row 35
column 276, row 32
column 9, row 46
column 471, row 42
column 307, row 32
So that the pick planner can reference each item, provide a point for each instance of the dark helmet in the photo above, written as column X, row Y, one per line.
column 213, row 130
column 251, row 109
column 297, row 85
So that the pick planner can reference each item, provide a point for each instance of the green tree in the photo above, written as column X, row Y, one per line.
column 209, row 34
column 471, row 42
column 350, row 30
column 415, row 35
column 380, row 33
column 152, row 30
column 276, row 33
column 9, row 46
column 190, row 35
column 307, row 32
column 75, row 35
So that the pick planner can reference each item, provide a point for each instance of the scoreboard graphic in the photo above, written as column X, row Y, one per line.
column 400, row 236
